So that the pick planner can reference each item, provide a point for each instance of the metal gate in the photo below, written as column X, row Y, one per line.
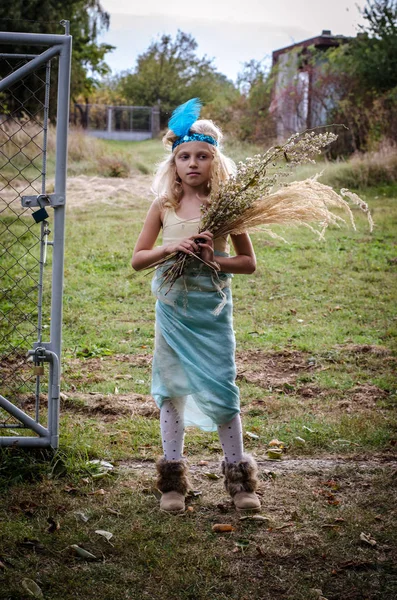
column 32, row 226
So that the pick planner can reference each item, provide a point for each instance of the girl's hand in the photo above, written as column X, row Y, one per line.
column 207, row 246
column 187, row 245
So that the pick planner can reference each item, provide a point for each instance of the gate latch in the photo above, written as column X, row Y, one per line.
column 43, row 200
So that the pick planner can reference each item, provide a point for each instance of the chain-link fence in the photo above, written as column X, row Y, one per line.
column 31, row 265
column 118, row 122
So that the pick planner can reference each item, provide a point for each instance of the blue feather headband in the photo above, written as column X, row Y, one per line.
column 181, row 121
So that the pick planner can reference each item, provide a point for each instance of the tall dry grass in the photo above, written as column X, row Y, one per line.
column 361, row 171
column 21, row 143
column 366, row 170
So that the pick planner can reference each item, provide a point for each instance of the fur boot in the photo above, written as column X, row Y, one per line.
column 173, row 483
column 241, row 481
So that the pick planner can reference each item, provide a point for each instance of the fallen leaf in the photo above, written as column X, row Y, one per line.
column 106, row 534
column 70, row 489
column 275, row 453
column 82, row 516
column 252, row 435
column 367, row 539
column 32, row 588
column 222, row 527
column 212, row 476
column 82, row 553
column 261, row 518
column 331, row 483
column 113, row 511
column 340, row 441
column 99, row 492
column 194, row 493
column 203, row 463
column 333, row 502
column 102, row 464
column 190, row 509
column 275, row 442
column 284, row 526
column 300, row 440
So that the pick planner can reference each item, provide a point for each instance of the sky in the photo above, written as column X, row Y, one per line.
column 231, row 32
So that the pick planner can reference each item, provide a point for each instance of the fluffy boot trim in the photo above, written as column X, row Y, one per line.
column 242, row 476
column 172, row 476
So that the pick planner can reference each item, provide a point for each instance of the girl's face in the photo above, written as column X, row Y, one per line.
column 193, row 162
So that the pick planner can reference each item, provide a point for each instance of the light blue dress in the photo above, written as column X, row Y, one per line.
column 194, row 357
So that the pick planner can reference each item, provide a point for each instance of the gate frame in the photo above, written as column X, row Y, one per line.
column 59, row 45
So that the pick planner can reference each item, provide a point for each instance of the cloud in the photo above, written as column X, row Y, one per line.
column 230, row 44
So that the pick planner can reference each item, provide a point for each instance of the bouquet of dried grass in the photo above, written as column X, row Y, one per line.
column 257, row 198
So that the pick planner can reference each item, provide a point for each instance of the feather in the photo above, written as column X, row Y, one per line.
column 184, row 116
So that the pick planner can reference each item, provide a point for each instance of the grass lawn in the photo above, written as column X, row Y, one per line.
column 315, row 328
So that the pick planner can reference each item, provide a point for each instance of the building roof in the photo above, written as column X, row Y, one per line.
column 324, row 40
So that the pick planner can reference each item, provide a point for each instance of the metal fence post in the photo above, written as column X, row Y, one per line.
column 21, row 266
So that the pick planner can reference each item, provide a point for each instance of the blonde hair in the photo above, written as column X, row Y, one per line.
column 165, row 185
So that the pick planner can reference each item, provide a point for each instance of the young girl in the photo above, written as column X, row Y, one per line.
column 193, row 378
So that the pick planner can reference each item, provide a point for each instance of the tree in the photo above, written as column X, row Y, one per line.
column 374, row 53
column 169, row 72
column 87, row 18
column 363, row 74
column 256, row 84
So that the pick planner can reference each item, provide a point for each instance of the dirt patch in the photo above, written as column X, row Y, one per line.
column 365, row 349
column 366, row 395
column 84, row 191
column 291, row 465
column 15, row 364
column 78, row 372
column 280, row 372
column 274, row 370
column 110, row 406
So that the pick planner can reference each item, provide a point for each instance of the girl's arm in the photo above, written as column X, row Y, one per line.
column 243, row 263
column 145, row 254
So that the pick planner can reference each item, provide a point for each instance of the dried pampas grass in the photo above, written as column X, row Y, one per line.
column 299, row 203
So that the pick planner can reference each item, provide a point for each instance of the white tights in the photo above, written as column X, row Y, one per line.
column 172, row 435
column 172, row 431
